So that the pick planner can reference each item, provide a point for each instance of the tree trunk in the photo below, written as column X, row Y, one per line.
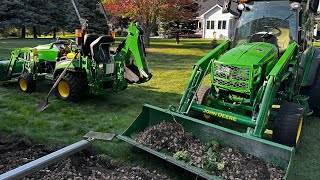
column 63, row 33
column 146, row 35
column 177, row 38
column 121, row 29
column 54, row 33
column 23, row 32
column 35, row 32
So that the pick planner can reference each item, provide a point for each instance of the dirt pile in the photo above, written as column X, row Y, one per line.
column 86, row 164
column 225, row 162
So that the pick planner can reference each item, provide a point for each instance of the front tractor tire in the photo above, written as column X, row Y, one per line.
column 69, row 88
column 201, row 96
column 26, row 83
column 288, row 124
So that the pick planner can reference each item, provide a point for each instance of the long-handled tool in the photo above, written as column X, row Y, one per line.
column 45, row 103
column 56, row 156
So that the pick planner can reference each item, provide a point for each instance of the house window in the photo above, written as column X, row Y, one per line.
column 199, row 25
column 222, row 24
column 210, row 24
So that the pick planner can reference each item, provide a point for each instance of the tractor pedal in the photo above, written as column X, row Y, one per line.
column 91, row 135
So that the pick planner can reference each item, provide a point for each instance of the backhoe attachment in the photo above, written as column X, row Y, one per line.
column 131, row 70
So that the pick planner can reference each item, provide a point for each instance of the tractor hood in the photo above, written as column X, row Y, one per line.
column 249, row 54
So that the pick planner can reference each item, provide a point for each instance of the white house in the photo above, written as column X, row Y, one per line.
column 212, row 23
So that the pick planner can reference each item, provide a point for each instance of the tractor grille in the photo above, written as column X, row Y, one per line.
column 231, row 77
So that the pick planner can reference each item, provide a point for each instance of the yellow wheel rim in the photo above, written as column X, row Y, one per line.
column 23, row 84
column 63, row 89
column 299, row 130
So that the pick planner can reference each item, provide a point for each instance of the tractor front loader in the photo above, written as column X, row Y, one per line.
column 263, row 85
column 13, row 67
column 96, row 69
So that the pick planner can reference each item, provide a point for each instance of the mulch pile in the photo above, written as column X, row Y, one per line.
column 171, row 138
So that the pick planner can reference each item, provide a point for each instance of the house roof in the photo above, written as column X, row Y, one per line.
column 206, row 5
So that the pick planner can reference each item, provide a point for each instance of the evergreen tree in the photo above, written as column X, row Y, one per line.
column 91, row 11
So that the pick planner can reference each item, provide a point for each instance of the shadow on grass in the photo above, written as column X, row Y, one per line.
column 172, row 62
column 63, row 123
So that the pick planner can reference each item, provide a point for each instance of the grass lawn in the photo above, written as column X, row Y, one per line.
column 65, row 122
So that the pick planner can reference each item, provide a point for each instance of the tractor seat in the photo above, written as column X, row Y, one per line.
column 100, row 48
column 88, row 39
column 283, row 39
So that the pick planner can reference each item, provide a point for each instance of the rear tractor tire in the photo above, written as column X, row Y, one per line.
column 26, row 83
column 69, row 88
column 314, row 95
column 288, row 124
column 201, row 96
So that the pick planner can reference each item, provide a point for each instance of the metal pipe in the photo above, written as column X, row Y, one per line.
column 105, row 15
column 47, row 160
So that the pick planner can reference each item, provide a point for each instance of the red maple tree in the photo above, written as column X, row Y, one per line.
column 148, row 12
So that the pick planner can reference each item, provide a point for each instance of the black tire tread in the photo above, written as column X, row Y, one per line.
column 314, row 95
column 75, row 85
column 31, row 84
column 201, row 95
column 287, row 122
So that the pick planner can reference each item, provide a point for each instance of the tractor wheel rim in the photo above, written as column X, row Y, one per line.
column 63, row 89
column 299, row 130
column 23, row 84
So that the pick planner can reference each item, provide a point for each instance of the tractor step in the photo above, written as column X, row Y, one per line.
column 49, row 76
column 267, row 151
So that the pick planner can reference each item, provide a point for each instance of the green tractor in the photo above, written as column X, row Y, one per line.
column 87, row 65
column 263, row 85
column 13, row 67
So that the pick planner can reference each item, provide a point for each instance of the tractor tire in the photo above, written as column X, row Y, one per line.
column 26, row 83
column 69, row 88
column 288, row 124
column 201, row 96
column 314, row 95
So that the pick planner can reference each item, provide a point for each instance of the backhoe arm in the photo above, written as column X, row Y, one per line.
column 200, row 70
column 131, row 71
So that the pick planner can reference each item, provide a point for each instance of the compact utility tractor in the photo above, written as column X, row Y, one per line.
column 47, row 56
column 86, row 66
column 265, row 81
column 12, row 68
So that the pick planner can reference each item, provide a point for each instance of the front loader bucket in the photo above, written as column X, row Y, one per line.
column 266, row 150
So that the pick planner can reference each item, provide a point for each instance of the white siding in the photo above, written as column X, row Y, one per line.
column 216, row 15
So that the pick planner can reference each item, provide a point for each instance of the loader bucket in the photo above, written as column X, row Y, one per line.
column 268, row 151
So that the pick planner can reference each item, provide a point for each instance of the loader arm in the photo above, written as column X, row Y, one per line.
column 135, row 71
column 272, row 85
column 200, row 70
column 13, row 61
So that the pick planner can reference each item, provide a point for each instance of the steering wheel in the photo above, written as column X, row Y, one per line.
column 271, row 29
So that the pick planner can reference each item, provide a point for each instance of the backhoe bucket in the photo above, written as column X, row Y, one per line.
column 268, row 151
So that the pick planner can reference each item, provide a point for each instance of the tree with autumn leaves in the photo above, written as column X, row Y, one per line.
column 149, row 12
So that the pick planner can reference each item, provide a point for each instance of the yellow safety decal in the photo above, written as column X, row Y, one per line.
column 220, row 115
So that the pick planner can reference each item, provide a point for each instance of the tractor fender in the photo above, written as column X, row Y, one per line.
column 313, row 68
column 72, row 70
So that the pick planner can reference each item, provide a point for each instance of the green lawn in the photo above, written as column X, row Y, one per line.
column 64, row 122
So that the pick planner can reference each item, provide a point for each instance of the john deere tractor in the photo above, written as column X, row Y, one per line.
column 87, row 65
column 265, row 78
column 264, row 82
